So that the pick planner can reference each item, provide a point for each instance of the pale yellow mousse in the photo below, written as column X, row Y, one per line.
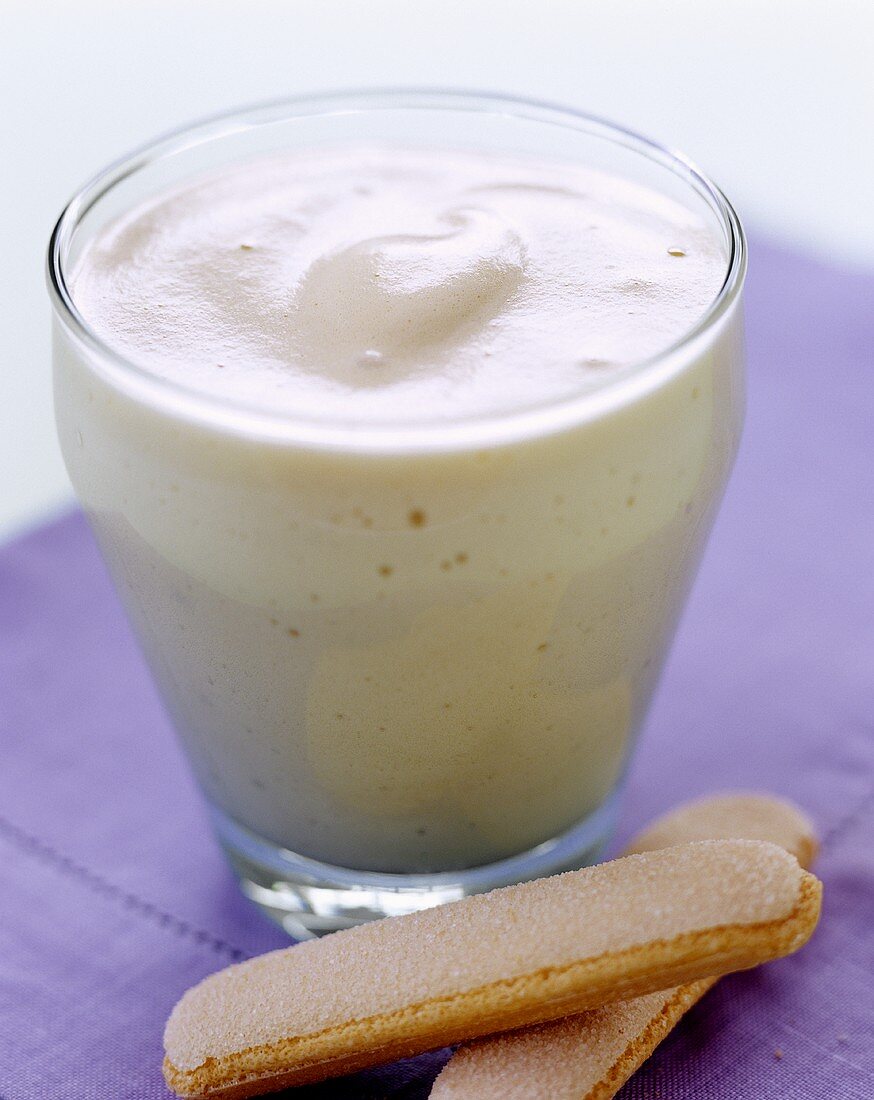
column 413, row 658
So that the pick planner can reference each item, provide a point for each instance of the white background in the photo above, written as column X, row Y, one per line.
column 774, row 98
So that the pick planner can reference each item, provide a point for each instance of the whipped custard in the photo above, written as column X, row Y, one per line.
column 418, row 658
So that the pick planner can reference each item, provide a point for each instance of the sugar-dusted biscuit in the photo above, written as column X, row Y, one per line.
column 591, row 1055
column 741, row 816
column 516, row 956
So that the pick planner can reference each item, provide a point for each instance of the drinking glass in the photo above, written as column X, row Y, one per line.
column 407, row 661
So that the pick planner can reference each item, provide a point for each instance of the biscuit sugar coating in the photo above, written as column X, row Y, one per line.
column 590, row 1056
column 488, row 963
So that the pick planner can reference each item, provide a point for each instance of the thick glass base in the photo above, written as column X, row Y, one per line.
column 308, row 898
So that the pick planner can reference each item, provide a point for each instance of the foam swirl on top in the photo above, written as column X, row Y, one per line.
column 398, row 285
column 382, row 302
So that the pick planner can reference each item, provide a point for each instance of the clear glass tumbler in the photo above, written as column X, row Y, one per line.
column 406, row 661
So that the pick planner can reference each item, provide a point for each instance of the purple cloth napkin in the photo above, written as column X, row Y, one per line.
column 114, row 897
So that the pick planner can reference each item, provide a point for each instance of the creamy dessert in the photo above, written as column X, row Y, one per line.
column 389, row 646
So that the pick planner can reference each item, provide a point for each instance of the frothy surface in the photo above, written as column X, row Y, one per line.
column 397, row 285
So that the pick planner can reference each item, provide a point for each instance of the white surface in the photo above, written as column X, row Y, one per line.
column 774, row 98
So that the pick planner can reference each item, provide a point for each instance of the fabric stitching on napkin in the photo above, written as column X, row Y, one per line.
column 38, row 849
column 849, row 820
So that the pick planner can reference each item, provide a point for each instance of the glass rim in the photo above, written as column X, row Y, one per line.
column 491, row 428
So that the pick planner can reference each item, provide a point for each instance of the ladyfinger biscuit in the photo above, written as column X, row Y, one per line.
column 516, row 956
column 741, row 816
column 591, row 1055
